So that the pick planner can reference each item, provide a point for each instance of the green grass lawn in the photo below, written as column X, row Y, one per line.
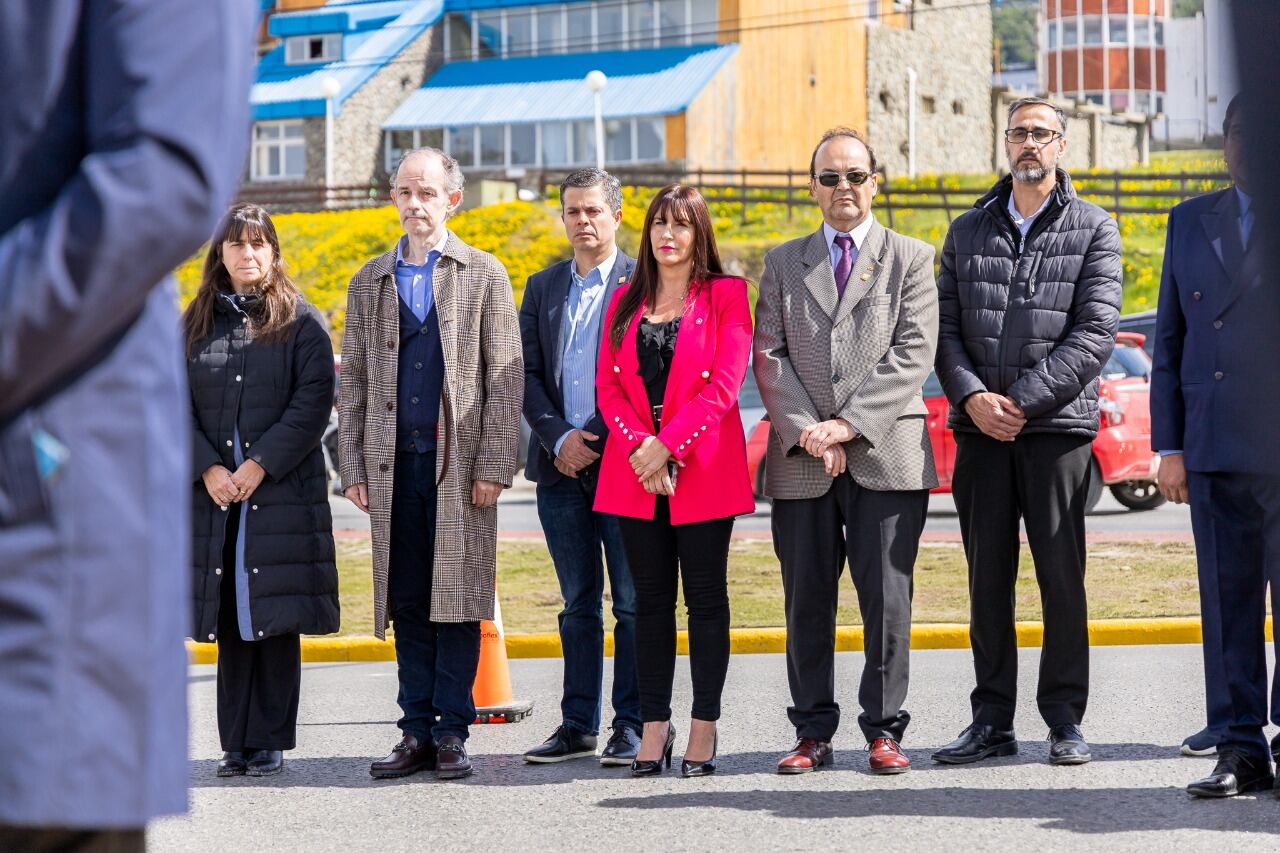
column 1124, row 580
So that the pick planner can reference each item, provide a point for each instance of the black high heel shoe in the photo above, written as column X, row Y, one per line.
column 653, row 768
column 701, row 768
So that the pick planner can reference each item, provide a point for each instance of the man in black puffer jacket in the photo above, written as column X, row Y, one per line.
column 1029, row 299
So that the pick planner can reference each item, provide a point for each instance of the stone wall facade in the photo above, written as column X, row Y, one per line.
column 948, row 44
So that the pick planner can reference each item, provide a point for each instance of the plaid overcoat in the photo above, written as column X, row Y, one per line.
column 479, row 417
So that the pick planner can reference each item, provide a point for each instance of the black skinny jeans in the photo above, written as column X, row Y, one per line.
column 698, row 554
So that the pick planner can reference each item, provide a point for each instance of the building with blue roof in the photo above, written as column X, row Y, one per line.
column 711, row 84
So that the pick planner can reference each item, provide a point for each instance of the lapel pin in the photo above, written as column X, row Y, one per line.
column 866, row 276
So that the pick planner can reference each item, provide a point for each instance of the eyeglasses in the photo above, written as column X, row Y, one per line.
column 832, row 179
column 1041, row 135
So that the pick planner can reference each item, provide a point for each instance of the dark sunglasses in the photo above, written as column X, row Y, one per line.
column 832, row 179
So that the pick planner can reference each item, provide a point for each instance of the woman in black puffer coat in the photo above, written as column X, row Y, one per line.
column 260, row 368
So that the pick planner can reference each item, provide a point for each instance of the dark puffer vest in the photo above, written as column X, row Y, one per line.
column 1032, row 319
column 280, row 394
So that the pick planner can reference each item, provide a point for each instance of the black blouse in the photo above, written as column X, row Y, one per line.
column 655, row 347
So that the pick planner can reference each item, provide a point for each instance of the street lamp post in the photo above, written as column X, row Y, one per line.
column 596, row 81
column 330, row 87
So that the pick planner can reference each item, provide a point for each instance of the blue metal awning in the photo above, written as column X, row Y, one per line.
column 661, row 81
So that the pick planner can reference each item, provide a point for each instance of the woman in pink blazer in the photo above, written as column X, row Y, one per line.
column 675, row 465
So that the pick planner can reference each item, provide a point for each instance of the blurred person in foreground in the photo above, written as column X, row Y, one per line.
column 1213, row 412
column 122, row 137
column 260, row 370
column 429, row 420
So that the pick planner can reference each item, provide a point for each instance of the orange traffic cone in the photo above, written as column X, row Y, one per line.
column 492, row 690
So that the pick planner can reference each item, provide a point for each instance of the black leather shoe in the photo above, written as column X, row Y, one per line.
column 1235, row 773
column 621, row 749
column 563, row 745
column 264, row 762
column 232, row 763
column 976, row 743
column 1067, row 746
column 701, row 768
column 653, row 768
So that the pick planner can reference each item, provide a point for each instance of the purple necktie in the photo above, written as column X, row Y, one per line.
column 844, row 265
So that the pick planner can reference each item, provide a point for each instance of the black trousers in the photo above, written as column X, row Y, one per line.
column 879, row 534
column 697, row 554
column 258, row 682
column 45, row 840
column 1042, row 480
column 1236, row 520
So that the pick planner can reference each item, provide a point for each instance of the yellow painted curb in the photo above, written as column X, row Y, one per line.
column 745, row 641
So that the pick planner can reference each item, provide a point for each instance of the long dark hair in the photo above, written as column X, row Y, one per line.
column 685, row 204
column 280, row 296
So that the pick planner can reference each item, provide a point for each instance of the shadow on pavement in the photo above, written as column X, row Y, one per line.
column 1082, row 810
column 510, row 770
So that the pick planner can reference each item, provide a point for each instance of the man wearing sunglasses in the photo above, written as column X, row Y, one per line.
column 846, row 329
column 1029, row 298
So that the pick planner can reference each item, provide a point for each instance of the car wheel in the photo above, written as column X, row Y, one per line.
column 1094, row 488
column 1139, row 495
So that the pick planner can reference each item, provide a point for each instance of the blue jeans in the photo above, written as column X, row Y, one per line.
column 436, row 660
column 575, row 535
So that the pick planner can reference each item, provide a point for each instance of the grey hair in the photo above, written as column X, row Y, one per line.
column 452, row 170
column 610, row 186
column 1040, row 102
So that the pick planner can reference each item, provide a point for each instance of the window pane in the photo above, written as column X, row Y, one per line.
column 433, row 138
column 1093, row 31
column 649, row 138
column 1159, row 33
column 550, row 30
column 617, row 145
column 293, row 130
column 609, row 24
column 519, row 33
column 273, row 161
column 1141, row 31
column 267, row 131
column 706, row 21
column 462, row 146
column 579, row 28
column 489, row 32
column 584, row 142
column 1119, row 31
column 295, row 161
column 524, row 150
column 459, row 45
column 555, row 146
column 671, row 22
column 293, row 51
column 492, row 145
column 1053, row 35
column 640, row 26
column 1069, row 33
column 260, row 162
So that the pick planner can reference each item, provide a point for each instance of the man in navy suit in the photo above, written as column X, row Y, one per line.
column 1215, row 403
column 561, row 319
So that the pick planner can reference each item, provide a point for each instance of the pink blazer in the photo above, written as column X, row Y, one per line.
column 701, row 428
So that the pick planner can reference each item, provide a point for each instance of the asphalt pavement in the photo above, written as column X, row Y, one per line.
column 518, row 515
column 1145, row 700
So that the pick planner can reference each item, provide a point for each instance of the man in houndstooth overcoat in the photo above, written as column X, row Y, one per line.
column 429, row 407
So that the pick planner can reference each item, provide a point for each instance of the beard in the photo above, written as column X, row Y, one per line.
column 1029, row 171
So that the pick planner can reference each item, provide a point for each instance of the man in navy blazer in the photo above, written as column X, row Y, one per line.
column 561, row 320
column 1215, row 405
column 122, row 137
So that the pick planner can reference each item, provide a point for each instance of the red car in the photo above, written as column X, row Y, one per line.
column 1122, row 455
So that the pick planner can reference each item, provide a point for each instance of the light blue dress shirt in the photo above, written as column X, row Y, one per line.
column 413, row 281
column 580, row 343
column 1024, row 224
column 859, row 233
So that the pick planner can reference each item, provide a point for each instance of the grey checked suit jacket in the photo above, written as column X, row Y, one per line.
column 863, row 358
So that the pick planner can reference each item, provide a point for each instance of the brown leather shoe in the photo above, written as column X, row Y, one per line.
column 451, row 758
column 887, row 757
column 807, row 755
column 406, row 758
